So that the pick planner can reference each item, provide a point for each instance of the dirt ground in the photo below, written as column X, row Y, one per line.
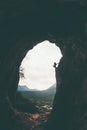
column 27, row 121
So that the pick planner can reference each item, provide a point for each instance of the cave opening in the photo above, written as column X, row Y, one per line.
column 23, row 24
column 37, row 82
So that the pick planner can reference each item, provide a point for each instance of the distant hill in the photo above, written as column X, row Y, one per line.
column 51, row 89
column 23, row 88
column 45, row 95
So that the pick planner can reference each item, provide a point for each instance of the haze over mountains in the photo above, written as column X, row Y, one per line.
column 47, row 94
column 25, row 88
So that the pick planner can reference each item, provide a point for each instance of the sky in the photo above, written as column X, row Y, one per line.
column 38, row 66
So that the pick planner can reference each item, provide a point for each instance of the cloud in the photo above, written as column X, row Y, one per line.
column 38, row 65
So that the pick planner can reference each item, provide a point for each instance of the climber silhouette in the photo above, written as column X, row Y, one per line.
column 56, row 73
column 55, row 65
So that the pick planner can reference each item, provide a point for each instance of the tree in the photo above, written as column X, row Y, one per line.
column 21, row 72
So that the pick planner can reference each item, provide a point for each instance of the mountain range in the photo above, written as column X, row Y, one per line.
column 25, row 88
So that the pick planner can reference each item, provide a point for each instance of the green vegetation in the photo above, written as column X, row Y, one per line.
column 35, row 106
column 42, row 99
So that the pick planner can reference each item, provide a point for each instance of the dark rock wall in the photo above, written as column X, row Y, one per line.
column 23, row 24
column 70, row 106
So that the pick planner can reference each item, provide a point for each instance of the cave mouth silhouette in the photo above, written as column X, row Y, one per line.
column 37, row 70
column 25, row 23
column 38, row 101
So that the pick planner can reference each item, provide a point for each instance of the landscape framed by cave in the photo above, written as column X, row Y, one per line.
column 24, row 24
column 37, row 83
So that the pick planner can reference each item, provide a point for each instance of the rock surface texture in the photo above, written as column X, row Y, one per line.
column 23, row 24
